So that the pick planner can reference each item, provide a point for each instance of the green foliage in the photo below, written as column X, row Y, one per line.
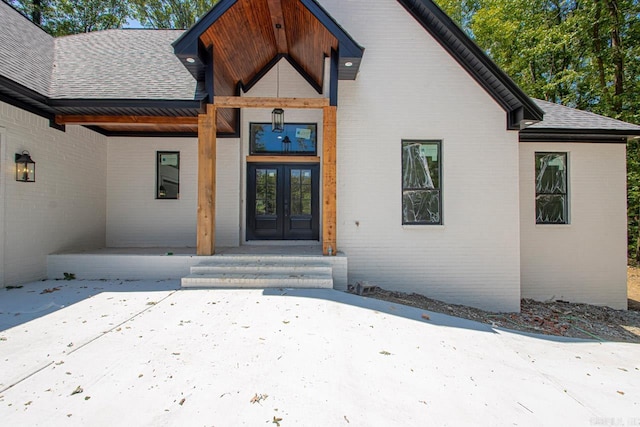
column 170, row 13
column 63, row 17
column 583, row 54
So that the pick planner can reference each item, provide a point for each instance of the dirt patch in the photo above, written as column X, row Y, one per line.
column 633, row 287
column 549, row 318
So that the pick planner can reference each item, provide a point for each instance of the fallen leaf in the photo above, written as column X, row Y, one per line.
column 50, row 290
column 28, row 403
column 151, row 303
column 425, row 316
column 621, row 392
column 276, row 420
column 385, row 353
column 87, row 397
column 347, row 419
column 286, row 322
column 257, row 398
column 182, row 401
column 78, row 390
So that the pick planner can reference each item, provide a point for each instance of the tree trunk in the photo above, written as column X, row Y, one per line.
column 617, row 54
column 597, row 49
column 36, row 12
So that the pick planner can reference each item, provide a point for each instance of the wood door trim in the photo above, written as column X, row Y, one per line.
column 283, row 159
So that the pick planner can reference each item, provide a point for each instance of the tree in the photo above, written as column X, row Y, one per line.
column 170, row 13
column 580, row 53
column 63, row 17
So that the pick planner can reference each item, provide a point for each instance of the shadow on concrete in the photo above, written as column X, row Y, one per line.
column 33, row 300
column 407, row 312
column 38, row 299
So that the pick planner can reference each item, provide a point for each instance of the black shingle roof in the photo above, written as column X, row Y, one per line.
column 26, row 51
column 565, row 124
column 560, row 117
column 129, row 64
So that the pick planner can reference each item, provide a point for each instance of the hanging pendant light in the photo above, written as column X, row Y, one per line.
column 277, row 120
column 277, row 115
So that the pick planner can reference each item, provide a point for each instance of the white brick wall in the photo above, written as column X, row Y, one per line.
column 135, row 218
column 584, row 261
column 409, row 87
column 4, row 175
column 64, row 209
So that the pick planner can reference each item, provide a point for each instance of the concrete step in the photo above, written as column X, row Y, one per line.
column 258, row 280
column 266, row 260
column 261, row 267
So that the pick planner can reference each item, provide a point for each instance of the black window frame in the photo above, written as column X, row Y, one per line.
column 566, row 187
column 438, row 143
column 160, row 181
column 252, row 141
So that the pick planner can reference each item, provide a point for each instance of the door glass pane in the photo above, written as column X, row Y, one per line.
column 300, row 191
column 266, row 191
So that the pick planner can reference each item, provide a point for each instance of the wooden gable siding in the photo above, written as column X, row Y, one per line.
column 246, row 39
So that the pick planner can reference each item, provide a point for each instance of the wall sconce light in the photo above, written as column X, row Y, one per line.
column 25, row 167
column 277, row 120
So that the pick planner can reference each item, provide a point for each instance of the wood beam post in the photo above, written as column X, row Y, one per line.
column 329, row 181
column 249, row 102
column 206, row 226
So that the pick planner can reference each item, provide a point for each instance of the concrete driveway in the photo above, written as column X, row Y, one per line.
column 145, row 353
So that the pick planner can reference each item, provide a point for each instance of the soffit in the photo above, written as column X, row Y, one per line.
column 252, row 33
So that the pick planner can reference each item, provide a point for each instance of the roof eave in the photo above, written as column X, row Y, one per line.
column 189, row 50
column 620, row 136
column 438, row 24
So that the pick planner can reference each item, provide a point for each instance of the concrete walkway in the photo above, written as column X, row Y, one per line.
column 145, row 353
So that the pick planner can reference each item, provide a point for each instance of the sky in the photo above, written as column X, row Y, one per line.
column 133, row 23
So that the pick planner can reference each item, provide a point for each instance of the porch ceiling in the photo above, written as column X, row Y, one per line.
column 253, row 33
column 243, row 39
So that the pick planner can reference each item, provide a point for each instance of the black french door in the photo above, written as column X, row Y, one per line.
column 283, row 201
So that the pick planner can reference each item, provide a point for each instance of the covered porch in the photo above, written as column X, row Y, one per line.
column 159, row 263
column 226, row 64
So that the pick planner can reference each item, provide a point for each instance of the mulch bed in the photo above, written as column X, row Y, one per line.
column 550, row 318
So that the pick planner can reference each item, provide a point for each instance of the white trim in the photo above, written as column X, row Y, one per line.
column 4, row 176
